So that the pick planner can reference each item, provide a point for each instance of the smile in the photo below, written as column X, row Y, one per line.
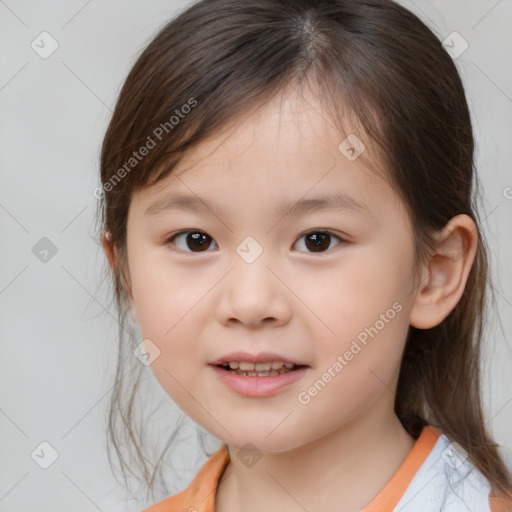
column 254, row 383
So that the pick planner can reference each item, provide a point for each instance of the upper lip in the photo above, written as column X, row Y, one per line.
column 262, row 357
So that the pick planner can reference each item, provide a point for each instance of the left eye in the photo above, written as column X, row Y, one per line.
column 316, row 241
column 319, row 240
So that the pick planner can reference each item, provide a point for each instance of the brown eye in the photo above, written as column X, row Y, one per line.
column 194, row 241
column 318, row 241
column 198, row 241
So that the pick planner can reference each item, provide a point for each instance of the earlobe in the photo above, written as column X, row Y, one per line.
column 448, row 270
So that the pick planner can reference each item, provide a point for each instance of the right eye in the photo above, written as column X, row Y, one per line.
column 190, row 239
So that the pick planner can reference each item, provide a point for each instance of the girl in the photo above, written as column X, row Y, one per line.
column 287, row 212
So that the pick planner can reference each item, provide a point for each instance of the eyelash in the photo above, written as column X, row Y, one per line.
column 170, row 240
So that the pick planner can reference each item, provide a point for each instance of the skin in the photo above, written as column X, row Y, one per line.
column 346, row 443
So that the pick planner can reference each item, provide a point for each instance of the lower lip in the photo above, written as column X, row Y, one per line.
column 258, row 386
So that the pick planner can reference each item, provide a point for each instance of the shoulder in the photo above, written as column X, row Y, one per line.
column 447, row 480
column 199, row 496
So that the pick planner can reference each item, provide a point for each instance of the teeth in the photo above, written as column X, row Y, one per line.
column 270, row 373
column 258, row 367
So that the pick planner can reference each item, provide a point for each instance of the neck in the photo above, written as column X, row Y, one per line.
column 349, row 466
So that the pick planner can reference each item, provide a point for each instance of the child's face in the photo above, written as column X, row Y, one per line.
column 343, row 309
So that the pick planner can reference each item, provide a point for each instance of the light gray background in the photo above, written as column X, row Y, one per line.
column 58, row 337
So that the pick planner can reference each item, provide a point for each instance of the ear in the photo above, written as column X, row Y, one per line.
column 444, row 279
column 109, row 249
column 113, row 260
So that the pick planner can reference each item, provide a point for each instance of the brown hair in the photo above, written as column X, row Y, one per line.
column 378, row 64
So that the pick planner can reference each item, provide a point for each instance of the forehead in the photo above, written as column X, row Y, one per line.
column 292, row 125
column 280, row 151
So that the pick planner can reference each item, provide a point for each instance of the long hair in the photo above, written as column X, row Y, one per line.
column 376, row 63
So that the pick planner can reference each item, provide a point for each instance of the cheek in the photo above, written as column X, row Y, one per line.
column 352, row 297
column 170, row 305
column 164, row 294
column 363, row 311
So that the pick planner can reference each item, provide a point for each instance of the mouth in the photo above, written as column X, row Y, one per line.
column 270, row 369
column 256, row 382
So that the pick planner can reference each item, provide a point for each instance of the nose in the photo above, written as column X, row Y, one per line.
column 253, row 294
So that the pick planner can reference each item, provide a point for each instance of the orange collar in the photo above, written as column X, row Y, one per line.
column 200, row 494
column 392, row 492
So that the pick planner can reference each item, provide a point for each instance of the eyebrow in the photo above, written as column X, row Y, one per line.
column 339, row 201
